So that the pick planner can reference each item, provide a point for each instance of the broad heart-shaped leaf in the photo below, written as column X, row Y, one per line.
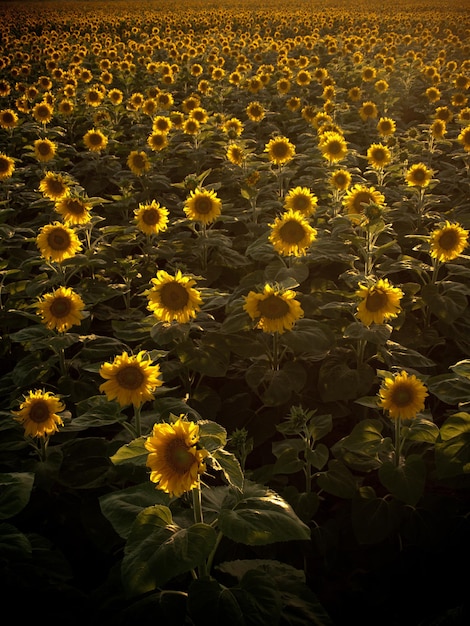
column 209, row 356
column 462, row 368
column 453, row 446
column 447, row 301
column 228, row 463
column 212, row 436
column 449, row 388
column 309, row 338
column 258, row 516
column 373, row 518
column 255, row 601
column 157, row 550
column 15, row 492
column 121, row 508
column 360, row 449
column 133, row 452
column 338, row 480
column 405, row 482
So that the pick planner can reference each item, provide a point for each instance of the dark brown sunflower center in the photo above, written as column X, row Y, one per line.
column 203, row 205
column 55, row 186
column 368, row 110
column 4, row 165
column 151, row 217
column 280, row 150
column 43, row 111
column 419, row 175
column 376, row 300
column 334, row 147
column 39, row 412
column 58, row 239
column 301, row 203
column 178, row 456
column 292, row 232
column 138, row 161
column 95, row 139
column 273, row 307
column 130, row 377
column 174, row 296
column 378, row 155
column 448, row 240
column 93, row 96
column 402, row 395
column 60, row 307
column 8, row 118
column 44, row 148
column 161, row 125
column 362, row 197
column 75, row 206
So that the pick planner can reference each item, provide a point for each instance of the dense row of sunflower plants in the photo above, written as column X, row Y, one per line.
column 234, row 308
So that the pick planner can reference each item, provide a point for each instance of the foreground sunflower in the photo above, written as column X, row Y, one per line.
column 130, row 379
column 7, row 166
column 402, row 396
column 54, row 186
column 138, row 162
column 203, row 206
column 174, row 459
column 464, row 138
column 39, row 413
column 61, row 309
column 151, row 218
column 44, row 150
column 57, row 242
column 74, row 210
column 378, row 155
column 173, row 298
column 340, row 180
column 386, row 126
column 291, row 234
column 357, row 198
column 301, row 199
column 280, row 150
column 333, row 146
column 95, row 140
column 379, row 302
column 418, row 175
column 448, row 242
column 274, row 310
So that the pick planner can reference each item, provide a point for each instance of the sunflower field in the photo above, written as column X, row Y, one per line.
column 234, row 312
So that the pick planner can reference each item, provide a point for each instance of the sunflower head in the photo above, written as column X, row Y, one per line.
column 95, row 140
column 418, row 175
column 368, row 111
column 57, row 242
column 173, row 298
column 402, row 396
column 8, row 119
column 340, row 180
column 54, row 186
column 464, row 138
column 130, row 379
column 386, row 126
column 291, row 234
column 273, row 310
column 359, row 197
column 61, row 309
column 174, row 458
column 280, row 150
column 333, row 146
column 7, row 166
column 378, row 155
column 39, row 413
column 378, row 302
column 151, row 218
column 448, row 242
column 138, row 162
column 235, row 154
column 44, row 150
column 302, row 200
column 203, row 205
column 74, row 210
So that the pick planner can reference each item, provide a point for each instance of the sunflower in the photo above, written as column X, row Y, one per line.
column 95, row 140
column 38, row 413
column 44, row 150
column 381, row 86
column 280, row 150
column 138, row 162
column 354, row 94
column 293, row 104
column 94, row 96
column 340, row 180
column 61, row 309
column 402, row 396
column 233, row 127
column 57, row 242
column 54, row 186
column 368, row 74
column 433, row 94
column 333, row 146
column 379, row 302
column 8, row 118
column 199, row 114
column 359, row 196
column 438, row 129
column 418, row 175
column 275, row 310
column 191, row 126
column 255, row 111
column 173, row 297
column 130, row 379
column 302, row 200
column 368, row 111
column 66, row 107
column 386, row 126
column 157, row 141
column 464, row 138
column 161, row 124
column 74, row 210
column 283, row 86
column 448, row 242
column 43, row 112
column 203, row 206
column 151, row 218
column 291, row 234
column 174, row 459
column 7, row 166
column 378, row 155
column 115, row 96
column 235, row 154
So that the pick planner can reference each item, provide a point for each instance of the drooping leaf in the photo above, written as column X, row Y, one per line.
column 405, row 482
column 15, row 492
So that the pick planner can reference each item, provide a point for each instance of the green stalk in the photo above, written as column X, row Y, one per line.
column 199, row 519
column 397, row 441
column 138, row 426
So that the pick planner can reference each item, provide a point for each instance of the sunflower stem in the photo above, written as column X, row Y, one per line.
column 275, row 353
column 137, row 420
column 397, row 441
column 199, row 519
column 211, row 556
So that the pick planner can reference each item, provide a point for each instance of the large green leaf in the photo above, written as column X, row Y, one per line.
column 228, row 463
column 453, row 446
column 133, row 452
column 157, row 550
column 209, row 356
column 259, row 516
column 338, row 480
column 405, row 482
column 15, row 492
column 360, row 450
column 373, row 518
column 310, row 338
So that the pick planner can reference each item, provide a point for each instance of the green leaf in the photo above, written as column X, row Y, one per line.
column 447, row 304
column 462, row 368
column 210, row 604
column 309, row 338
column 320, row 425
column 453, row 446
column 372, row 518
column 15, row 492
column 133, row 452
column 96, row 411
column 157, row 550
column 339, row 382
column 287, row 456
column 228, row 463
column 13, row 543
column 212, row 435
column 338, row 480
column 121, row 508
column 259, row 516
column 209, row 357
column 360, row 450
column 318, row 457
column 450, row 388
column 405, row 482
column 377, row 334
